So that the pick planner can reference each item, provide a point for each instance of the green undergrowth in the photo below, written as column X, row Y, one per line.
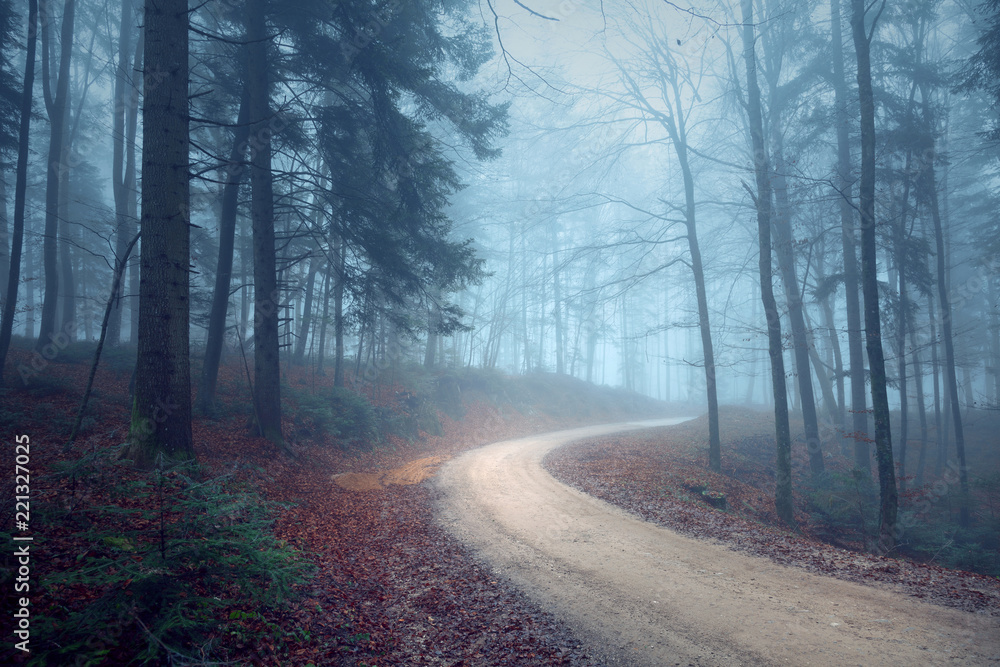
column 157, row 565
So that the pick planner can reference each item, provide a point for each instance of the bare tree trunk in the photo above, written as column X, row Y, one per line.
column 918, row 377
column 855, row 351
column 267, row 379
column 125, row 104
column 20, row 189
column 557, row 298
column 119, row 270
column 4, row 242
column 323, row 322
column 339, row 276
column 233, row 172
column 161, row 412
column 869, row 277
column 786, row 263
column 300, row 344
column 524, row 304
column 901, row 324
column 67, row 321
column 57, row 106
column 930, row 188
column 783, row 438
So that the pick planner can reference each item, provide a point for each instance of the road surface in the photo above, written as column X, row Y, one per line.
column 639, row 594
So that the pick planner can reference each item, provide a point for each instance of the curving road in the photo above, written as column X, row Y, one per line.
column 643, row 595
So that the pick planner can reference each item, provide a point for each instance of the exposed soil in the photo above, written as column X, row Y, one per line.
column 413, row 472
column 642, row 594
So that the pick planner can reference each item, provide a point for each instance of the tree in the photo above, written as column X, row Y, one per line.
column 10, row 103
column 762, row 172
column 57, row 104
column 233, row 173
column 20, row 188
column 124, row 126
column 267, row 301
column 781, row 95
column 982, row 70
column 869, row 280
column 161, row 410
column 672, row 86
column 848, row 237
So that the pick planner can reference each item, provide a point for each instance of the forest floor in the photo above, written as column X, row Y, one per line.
column 392, row 586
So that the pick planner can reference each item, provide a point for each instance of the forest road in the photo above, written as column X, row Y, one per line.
column 638, row 594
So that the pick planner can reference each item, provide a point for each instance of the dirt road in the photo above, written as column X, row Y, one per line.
column 643, row 595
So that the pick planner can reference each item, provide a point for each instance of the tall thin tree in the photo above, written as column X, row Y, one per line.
column 161, row 410
column 20, row 188
column 869, row 278
column 762, row 171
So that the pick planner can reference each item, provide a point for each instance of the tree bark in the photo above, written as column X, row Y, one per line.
column 323, row 322
column 4, row 242
column 267, row 305
column 783, row 439
column 339, row 277
column 300, row 344
column 869, row 279
column 123, row 130
column 20, row 189
column 786, row 263
column 57, row 106
column 855, row 350
column 161, row 411
column 234, row 170
column 930, row 187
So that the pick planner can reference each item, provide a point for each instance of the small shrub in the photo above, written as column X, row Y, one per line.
column 161, row 571
column 337, row 412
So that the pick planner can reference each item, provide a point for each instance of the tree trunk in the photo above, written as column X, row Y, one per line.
column 233, row 172
column 67, row 321
column 930, row 188
column 339, row 276
column 557, row 298
column 323, row 322
column 783, row 439
column 20, row 189
column 901, row 324
column 786, row 263
column 161, row 411
column 300, row 344
column 56, row 163
column 855, row 352
column 4, row 242
column 120, row 262
column 714, row 442
column 869, row 277
column 918, row 376
column 123, row 129
column 267, row 314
